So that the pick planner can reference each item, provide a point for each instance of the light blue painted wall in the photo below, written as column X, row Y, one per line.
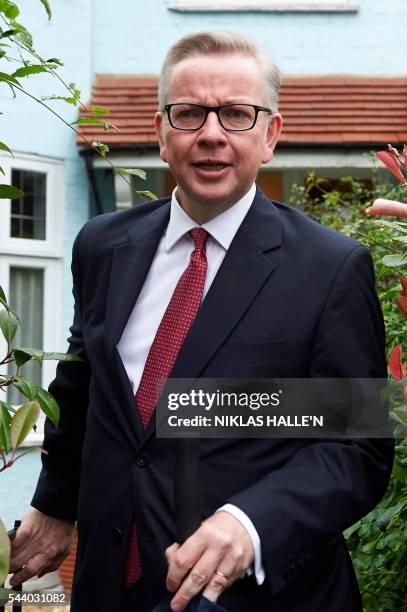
column 133, row 37
column 17, row 488
column 28, row 128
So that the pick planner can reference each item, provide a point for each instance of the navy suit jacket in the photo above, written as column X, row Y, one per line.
column 291, row 299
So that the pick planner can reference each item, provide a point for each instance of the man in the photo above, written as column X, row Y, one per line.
column 281, row 297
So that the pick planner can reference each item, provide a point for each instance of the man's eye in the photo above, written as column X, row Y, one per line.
column 235, row 114
column 188, row 114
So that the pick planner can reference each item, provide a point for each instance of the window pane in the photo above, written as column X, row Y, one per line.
column 27, row 299
column 28, row 212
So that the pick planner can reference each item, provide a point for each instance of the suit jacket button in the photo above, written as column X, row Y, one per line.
column 143, row 459
column 117, row 534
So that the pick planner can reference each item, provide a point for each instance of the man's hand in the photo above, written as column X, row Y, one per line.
column 218, row 553
column 40, row 545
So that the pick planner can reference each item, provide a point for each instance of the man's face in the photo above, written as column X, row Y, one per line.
column 214, row 168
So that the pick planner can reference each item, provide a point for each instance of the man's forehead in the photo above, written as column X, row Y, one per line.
column 219, row 75
column 214, row 62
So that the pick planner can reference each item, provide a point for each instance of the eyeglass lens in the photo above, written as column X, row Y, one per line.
column 232, row 116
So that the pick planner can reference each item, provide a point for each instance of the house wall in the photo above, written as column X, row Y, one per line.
column 28, row 128
column 133, row 37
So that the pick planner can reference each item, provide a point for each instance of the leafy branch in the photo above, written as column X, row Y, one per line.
column 18, row 34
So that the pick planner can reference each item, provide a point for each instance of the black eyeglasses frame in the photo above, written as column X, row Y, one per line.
column 216, row 109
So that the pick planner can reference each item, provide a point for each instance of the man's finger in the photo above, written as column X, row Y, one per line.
column 169, row 552
column 219, row 582
column 21, row 558
column 19, row 540
column 183, row 559
column 199, row 576
column 31, row 568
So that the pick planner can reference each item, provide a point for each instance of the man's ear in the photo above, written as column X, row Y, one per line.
column 272, row 136
column 158, row 123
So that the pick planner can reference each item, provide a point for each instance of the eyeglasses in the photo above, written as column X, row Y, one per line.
column 232, row 117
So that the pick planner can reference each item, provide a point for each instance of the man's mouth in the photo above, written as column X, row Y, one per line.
column 211, row 167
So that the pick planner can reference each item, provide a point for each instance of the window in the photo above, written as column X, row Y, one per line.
column 26, row 294
column 263, row 5
column 31, row 252
column 28, row 212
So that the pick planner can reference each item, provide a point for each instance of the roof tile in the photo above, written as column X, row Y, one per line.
column 317, row 110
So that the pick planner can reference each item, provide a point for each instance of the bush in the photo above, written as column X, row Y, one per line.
column 378, row 542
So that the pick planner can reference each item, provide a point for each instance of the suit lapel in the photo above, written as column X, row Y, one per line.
column 131, row 262
column 246, row 267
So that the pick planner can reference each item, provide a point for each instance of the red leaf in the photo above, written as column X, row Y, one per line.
column 401, row 302
column 395, row 363
column 403, row 281
column 390, row 160
column 387, row 208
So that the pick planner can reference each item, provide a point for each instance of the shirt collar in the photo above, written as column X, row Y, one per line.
column 222, row 228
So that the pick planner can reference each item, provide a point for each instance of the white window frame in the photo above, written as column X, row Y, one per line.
column 52, row 246
column 265, row 5
column 46, row 255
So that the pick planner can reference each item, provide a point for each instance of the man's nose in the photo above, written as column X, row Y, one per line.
column 212, row 131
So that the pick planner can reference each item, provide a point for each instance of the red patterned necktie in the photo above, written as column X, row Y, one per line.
column 174, row 326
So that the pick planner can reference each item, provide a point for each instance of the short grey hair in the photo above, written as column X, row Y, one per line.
column 219, row 42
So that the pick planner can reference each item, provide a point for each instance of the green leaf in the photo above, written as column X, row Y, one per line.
column 47, row 7
column 3, row 295
column 8, row 78
column 147, row 195
column 8, row 324
column 26, row 387
column 72, row 100
column 396, row 225
column 4, row 553
column 8, row 33
column 401, row 239
column 54, row 60
column 10, row 9
column 35, row 354
column 61, row 357
column 395, row 261
column 99, row 110
column 93, row 120
column 4, row 147
column 386, row 515
column 401, row 416
column 39, row 355
column 7, row 306
column 22, row 422
column 103, row 149
column 21, row 34
column 21, row 357
column 133, row 171
column 2, row 171
column 27, row 70
column 5, row 442
column 8, row 192
column 48, row 405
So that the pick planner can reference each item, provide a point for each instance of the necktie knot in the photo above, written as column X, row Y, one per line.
column 200, row 236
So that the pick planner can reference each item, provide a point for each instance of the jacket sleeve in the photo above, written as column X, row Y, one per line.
column 57, row 489
column 327, row 485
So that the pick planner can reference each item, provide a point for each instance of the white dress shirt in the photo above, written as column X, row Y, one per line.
column 169, row 262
